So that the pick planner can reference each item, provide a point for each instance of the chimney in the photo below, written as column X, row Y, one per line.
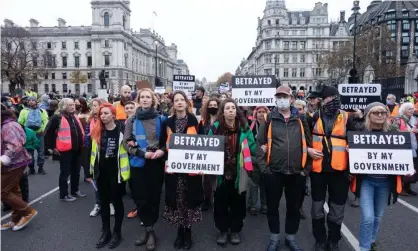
column 33, row 23
column 342, row 16
column 8, row 23
column 61, row 22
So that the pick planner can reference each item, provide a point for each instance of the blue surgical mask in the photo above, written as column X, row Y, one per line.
column 282, row 103
column 389, row 102
column 9, row 104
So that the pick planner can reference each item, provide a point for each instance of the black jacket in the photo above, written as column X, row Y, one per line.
column 194, row 190
column 53, row 125
column 286, row 152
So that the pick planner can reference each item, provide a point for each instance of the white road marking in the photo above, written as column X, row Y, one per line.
column 406, row 204
column 347, row 233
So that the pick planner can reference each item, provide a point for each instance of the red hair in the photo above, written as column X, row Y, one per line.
column 96, row 133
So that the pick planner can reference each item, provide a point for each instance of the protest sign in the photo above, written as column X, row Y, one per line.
column 387, row 153
column 254, row 90
column 159, row 89
column 224, row 87
column 184, row 83
column 196, row 154
column 358, row 96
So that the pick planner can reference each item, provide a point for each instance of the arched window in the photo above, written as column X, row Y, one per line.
column 124, row 22
column 106, row 19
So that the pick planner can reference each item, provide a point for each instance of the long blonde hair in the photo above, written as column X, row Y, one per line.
column 368, row 122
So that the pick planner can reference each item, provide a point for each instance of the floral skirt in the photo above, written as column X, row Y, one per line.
column 182, row 216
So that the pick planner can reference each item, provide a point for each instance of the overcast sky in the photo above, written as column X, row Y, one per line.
column 212, row 36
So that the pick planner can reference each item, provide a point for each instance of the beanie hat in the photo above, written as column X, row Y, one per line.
column 31, row 98
column 369, row 107
column 329, row 91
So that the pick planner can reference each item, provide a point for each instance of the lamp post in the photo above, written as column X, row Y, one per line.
column 277, row 73
column 155, row 64
column 353, row 72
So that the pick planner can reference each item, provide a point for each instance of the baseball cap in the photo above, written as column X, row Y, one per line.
column 284, row 89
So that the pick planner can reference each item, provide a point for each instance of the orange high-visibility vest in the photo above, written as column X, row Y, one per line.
column 63, row 142
column 269, row 142
column 14, row 101
column 339, row 156
column 395, row 111
column 353, row 184
column 120, row 111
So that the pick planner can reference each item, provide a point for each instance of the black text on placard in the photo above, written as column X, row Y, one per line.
column 358, row 96
column 185, row 83
column 196, row 154
column 380, row 153
column 254, row 90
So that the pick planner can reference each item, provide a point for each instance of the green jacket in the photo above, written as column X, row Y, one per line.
column 32, row 142
column 24, row 114
column 241, row 181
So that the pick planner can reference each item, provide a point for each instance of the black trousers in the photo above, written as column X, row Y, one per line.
column 69, row 166
column 293, row 186
column 229, row 208
column 147, row 183
column 337, row 184
column 110, row 191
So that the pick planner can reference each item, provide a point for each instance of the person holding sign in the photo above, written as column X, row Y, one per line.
column 109, row 165
column 329, row 167
column 183, row 192
column 407, row 122
column 374, row 191
column 230, row 194
column 146, row 147
column 287, row 138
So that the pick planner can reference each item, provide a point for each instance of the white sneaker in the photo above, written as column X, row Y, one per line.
column 7, row 225
column 112, row 209
column 95, row 211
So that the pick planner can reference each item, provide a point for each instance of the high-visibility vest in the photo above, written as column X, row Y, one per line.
column 15, row 101
column 120, row 111
column 339, row 156
column 353, row 184
column 63, row 142
column 395, row 111
column 123, row 163
column 270, row 139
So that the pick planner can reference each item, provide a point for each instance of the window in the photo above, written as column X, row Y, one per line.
column 124, row 22
column 286, row 58
column 126, row 62
column 277, row 21
column 50, row 61
column 294, row 72
column 107, row 43
column 106, row 19
column 88, row 75
column 390, row 15
column 46, row 87
column 268, row 33
column 53, row 75
column 317, row 71
column 268, row 22
column 406, row 25
column 64, row 75
column 405, row 38
column 63, row 45
column 286, row 45
column 294, row 45
column 89, row 61
column 89, row 88
column 302, row 33
column 34, row 76
column 285, row 72
column 54, row 88
column 404, row 51
column 46, row 75
column 34, row 62
column 88, row 45
column 294, row 58
column 64, row 88
column 277, row 43
column 267, row 71
column 316, row 58
column 405, row 14
column 107, row 60
column 64, row 62
column 294, row 33
column 125, row 46
column 286, row 33
column 268, row 45
column 302, row 58
column 76, row 45
column 302, row 72
column 302, row 45
column 391, row 25
column 49, row 45
column 34, row 45
column 106, row 74
column 277, row 72
column 77, row 62
column 9, row 46
column 267, row 58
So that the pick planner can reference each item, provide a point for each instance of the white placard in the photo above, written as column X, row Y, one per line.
column 254, row 97
column 159, row 89
column 210, row 162
column 185, row 83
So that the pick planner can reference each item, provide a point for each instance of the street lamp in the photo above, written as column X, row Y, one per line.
column 353, row 72
column 155, row 64
column 276, row 72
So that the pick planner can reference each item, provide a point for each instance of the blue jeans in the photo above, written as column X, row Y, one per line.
column 41, row 153
column 374, row 194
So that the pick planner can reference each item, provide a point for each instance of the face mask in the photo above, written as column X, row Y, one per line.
column 77, row 107
column 332, row 107
column 9, row 103
column 212, row 110
column 389, row 102
column 282, row 103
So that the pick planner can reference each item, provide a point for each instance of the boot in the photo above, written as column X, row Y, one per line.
column 178, row 243
column 187, row 239
column 32, row 171
column 41, row 171
column 115, row 241
column 142, row 239
column 104, row 239
column 332, row 246
column 273, row 245
column 292, row 245
column 222, row 239
column 151, row 242
column 235, row 239
column 319, row 246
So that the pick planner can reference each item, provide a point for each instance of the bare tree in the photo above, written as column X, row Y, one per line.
column 77, row 77
column 374, row 46
column 23, row 60
column 225, row 78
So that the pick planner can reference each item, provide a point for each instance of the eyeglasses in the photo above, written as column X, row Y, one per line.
column 379, row 113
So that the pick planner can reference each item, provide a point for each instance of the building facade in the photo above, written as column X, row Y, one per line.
column 182, row 68
column 108, row 45
column 289, row 44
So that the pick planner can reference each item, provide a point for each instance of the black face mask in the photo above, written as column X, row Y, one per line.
column 332, row 107
column 212, row 110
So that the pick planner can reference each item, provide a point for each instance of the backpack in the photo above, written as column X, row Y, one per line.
column 34, row 119
column 32, row 142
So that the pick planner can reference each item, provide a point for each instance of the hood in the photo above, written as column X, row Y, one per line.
column 45, row 98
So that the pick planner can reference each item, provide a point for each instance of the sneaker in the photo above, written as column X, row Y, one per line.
column 41, row 171
column 292, row 245
column 273, row 246
column 79, row 194
column 112, row 209
column 32, row 171
column 24, row 221
column 7, row 225
column 95, row 211
column 68, row 198
column 132, row 214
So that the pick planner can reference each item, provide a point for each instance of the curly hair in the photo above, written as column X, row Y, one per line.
column 203, row 112
column 240, row 119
